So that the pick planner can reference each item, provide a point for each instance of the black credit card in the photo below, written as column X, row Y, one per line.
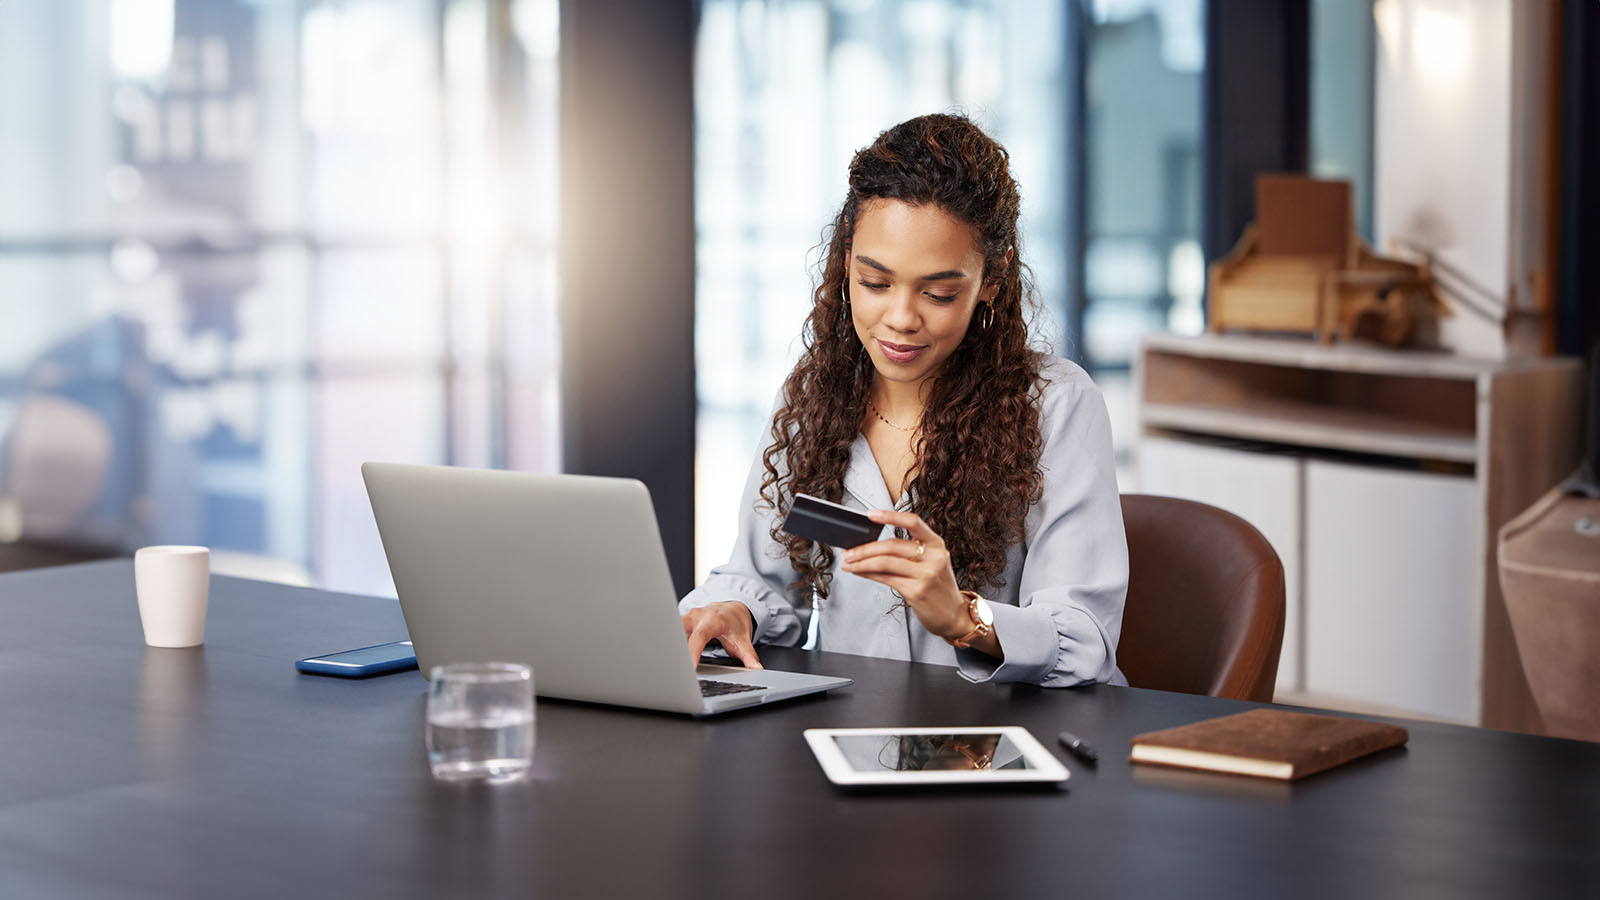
column 816, row 519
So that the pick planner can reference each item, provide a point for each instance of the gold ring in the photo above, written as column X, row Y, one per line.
column 921, row 549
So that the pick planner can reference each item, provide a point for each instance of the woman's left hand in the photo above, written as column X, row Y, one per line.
column 919, row 569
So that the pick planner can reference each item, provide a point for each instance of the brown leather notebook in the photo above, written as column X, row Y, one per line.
column 1267, row 743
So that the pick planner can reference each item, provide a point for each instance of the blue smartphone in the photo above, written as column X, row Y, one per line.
column 379, row 659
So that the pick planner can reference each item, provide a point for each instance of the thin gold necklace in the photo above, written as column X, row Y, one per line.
column 884, row 419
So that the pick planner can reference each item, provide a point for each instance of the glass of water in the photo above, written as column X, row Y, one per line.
column 480, row 722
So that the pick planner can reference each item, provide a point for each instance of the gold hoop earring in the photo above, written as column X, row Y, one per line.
column 988, row 317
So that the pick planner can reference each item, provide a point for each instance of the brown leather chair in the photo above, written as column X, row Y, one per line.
column 1205, row 601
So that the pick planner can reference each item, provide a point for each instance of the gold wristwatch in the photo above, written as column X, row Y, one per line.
column 982, row 620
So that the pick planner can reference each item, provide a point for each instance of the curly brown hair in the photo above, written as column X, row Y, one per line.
column 976, row 470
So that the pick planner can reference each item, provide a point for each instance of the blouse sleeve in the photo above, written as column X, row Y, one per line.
column 1063, row 630
column 757, row 572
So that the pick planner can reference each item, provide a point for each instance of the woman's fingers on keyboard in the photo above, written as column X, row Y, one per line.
column 727, row 623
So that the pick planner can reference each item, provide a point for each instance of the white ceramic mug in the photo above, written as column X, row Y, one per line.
column 173, row 584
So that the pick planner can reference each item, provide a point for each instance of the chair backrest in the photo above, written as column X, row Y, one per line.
column 1205, row 601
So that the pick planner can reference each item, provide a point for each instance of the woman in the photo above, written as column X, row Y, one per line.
column 918, row 398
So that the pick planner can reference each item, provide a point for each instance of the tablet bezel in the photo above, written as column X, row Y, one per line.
column 1046, row 768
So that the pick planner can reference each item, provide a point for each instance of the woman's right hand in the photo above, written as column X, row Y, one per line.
column 728, row 622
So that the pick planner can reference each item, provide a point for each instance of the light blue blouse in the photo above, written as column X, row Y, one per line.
column 1059, row 612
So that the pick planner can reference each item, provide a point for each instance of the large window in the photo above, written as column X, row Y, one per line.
column 246, row 246
column 1143, row 267
column 1108, row 91
column 1343, row 36
column 785, row 93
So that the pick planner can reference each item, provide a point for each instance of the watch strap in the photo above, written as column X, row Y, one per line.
column 979, row 627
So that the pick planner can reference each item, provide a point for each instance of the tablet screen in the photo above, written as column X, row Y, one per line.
column 969, row 752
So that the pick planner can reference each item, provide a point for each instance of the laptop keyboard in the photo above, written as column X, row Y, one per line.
column 710, row 688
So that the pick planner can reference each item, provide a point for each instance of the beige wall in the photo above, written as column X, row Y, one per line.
column 1460, row 129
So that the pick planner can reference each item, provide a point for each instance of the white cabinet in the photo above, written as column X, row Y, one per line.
column 1261, row 488
column 1381, row 477
column 1391, row 609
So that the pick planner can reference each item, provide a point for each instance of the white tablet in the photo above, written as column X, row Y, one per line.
column 1004, row 754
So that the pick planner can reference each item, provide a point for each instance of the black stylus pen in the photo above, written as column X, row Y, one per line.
column 1078, row 747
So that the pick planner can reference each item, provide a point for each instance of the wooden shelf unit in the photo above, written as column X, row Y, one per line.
column 1299, row 425
column 1510, row 427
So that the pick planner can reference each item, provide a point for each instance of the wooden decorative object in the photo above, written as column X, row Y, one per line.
column 1379, row 298
column 1300, row 268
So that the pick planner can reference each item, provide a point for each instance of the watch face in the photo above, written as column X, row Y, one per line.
column 985, row 614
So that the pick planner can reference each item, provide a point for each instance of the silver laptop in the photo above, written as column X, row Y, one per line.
column 563, row 572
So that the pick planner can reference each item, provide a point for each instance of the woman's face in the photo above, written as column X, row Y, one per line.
column 916, row 277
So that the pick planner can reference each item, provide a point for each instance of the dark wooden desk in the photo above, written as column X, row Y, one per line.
column 220, row 772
